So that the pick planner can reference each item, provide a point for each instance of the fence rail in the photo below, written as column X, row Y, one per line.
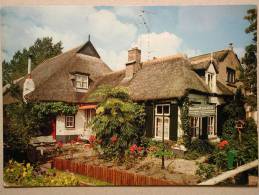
column 111, row 175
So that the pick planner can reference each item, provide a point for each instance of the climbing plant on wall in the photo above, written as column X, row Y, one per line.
column 22, row 121
column 184, row 109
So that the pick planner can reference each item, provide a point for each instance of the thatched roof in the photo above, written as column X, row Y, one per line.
column 203, row 61
column 160, row 78
column 52, row 78
column 164, row 79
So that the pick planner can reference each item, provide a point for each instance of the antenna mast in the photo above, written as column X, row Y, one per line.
column 146, row 25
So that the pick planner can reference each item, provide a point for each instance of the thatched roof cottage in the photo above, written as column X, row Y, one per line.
column 207, row 80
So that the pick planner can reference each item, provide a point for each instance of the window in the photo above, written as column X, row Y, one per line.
column 211, row 125
column 210, row 80
column 70, row 121
column 81, row 81
column 195, row 126
column 89, row 114
column 163, row 109
column 231, row 75
column 162, row 121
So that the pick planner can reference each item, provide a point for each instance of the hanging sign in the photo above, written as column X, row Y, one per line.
column 202, row 110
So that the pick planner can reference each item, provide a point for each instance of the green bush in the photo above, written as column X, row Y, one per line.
column 229, row 132
column 206, row 171
column 118, row 123
column 26, row 175
column 246, row 150
column 201, row 146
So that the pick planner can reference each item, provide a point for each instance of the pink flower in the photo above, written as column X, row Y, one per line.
column 114, row 138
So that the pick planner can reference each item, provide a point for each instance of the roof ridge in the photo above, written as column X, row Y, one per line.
column 164, row 58
column 209, row 53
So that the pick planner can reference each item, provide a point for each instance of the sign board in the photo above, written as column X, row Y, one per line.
column 202, row 110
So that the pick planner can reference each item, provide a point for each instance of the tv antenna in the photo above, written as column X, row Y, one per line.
column 147, row 28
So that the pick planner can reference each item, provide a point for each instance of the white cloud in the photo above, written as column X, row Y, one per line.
column 71, row 40
column 128, row 12
column 70, row 24
column 116, row 60
column 105, row 26
column 240, row 52
column 158, row 44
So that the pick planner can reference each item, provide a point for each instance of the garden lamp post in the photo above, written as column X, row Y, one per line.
column 163, row 142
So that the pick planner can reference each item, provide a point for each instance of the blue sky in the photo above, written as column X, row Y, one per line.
column 192, row 30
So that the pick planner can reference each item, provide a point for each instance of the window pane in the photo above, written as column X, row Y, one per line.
column 159, row 109
column 166, row 109
column 159, row 126
column 84, row 85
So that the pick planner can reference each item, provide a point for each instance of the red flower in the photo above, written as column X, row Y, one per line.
column 133, row 148
column 114, row 138
column 92, row 139
column 140, row 149
column 60, row 144
column 222, row 144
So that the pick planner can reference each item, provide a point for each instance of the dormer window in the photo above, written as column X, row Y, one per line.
column 231, row 75
column 81, row 81
column 210, row 80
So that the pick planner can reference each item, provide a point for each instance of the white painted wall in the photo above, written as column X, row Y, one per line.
column 79, row 125
column 212, row 70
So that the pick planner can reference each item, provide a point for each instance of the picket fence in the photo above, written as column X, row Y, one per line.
column 112, row 175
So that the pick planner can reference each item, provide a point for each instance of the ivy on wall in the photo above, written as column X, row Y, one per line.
column 184, row 109
column 23, row 121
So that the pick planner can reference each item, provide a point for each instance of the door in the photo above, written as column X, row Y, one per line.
column 159, row 120
column 204, row 133
column 89, row 115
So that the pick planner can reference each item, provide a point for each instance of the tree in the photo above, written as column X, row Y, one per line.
column 118, row 123
column 41, row 50
column 249, row 74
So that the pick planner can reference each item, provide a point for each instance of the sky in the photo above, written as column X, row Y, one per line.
column 157, row 31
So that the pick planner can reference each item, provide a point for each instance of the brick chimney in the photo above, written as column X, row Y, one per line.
column 134, row 62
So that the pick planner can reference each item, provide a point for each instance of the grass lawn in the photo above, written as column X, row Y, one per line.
column 85, row 180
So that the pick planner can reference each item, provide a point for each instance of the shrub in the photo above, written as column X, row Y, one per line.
column 201, row 146
column 229, row 132
column 206, row 171
column 27, row 175
column 118, row 122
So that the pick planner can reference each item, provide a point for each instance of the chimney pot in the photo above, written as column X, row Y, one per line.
column 29, row 64
column 134, row 62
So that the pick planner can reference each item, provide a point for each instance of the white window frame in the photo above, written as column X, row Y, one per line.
column 196, row 126
column 168, row 114
column 70, row 121
column 81, row 80
column 210, row 80
column 160, row 115
column 156, row 127
column 211, row 126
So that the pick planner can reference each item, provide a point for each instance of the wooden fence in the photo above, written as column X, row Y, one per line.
column 111, row 175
